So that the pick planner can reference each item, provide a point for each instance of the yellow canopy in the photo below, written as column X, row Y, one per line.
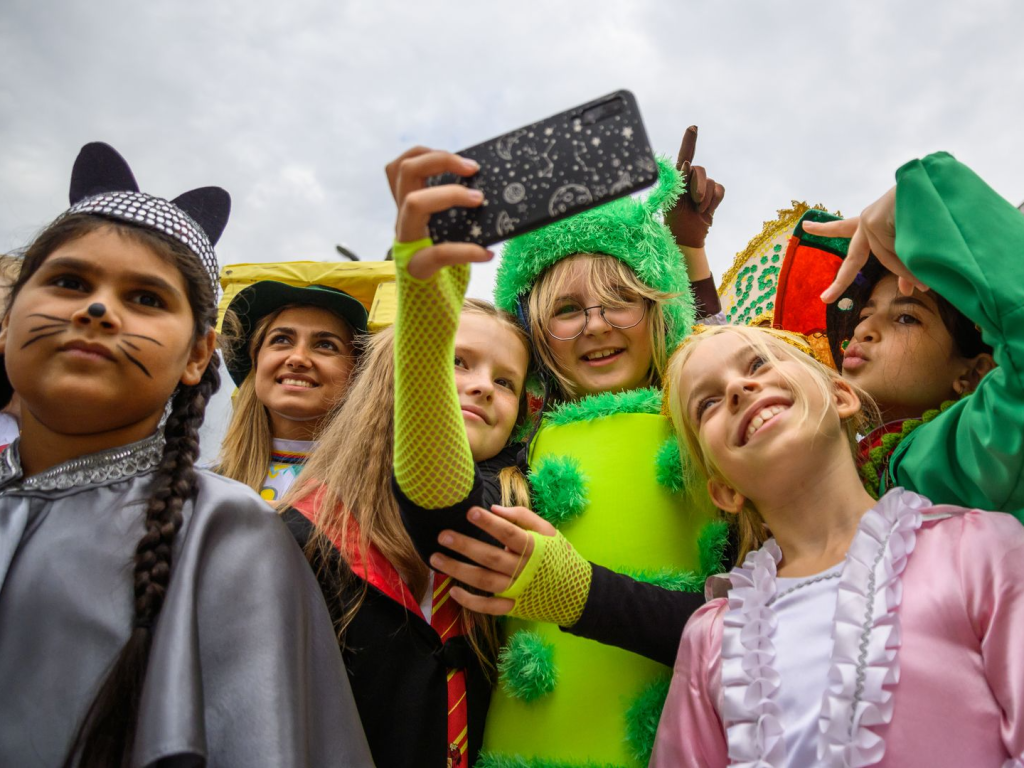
column 371, row 282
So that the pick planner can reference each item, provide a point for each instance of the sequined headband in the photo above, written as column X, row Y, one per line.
column 102, row 184
column 157, row 213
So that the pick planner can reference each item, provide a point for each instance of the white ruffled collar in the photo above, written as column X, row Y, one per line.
column 864, row 666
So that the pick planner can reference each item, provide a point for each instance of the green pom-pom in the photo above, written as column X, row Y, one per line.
column 559, row 489
column 670, row 465
column 492, row 760
column 711, row 543
column 526, row 666
column 642, row 718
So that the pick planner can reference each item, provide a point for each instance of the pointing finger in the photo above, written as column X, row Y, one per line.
column 688, row 147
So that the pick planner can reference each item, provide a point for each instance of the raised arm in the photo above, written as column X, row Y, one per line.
column 960, row 238
column 943, row 228
column 433, row 464
column 690, row 220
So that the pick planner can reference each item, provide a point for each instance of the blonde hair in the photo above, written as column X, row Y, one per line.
column 774, row 345
column 350, row 474
column 245, row 451
column 608, row 277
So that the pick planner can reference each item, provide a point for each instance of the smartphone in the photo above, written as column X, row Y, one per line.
column 549, row 170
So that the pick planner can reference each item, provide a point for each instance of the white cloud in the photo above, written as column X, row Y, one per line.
column 295, row 108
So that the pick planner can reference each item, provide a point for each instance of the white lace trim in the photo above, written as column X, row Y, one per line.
column 749, row 678
column 865, row 658
column 866, row 632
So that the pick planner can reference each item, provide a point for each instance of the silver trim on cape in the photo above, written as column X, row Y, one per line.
column 112, row 465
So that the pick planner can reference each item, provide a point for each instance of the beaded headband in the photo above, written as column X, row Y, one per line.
column 102, row 184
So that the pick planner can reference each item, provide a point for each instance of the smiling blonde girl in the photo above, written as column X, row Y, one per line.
column 838, row 639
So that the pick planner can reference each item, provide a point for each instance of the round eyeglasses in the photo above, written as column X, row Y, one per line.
column 569, row 323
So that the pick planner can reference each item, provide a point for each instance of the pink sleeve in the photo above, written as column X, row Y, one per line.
column 690, row 733
column 992, row 574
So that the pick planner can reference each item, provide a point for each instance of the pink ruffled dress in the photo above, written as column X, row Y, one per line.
column 927, row 663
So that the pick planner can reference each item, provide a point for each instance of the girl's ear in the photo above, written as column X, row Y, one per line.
column 846, row 399
column 725, row 497
column 199, row 358
column 3, row 334
column 969, row 380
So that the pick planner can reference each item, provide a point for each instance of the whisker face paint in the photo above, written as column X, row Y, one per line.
column 46, row 327
column 51, row 317
column 131, row 359
column 145, row 338
column 34, row 339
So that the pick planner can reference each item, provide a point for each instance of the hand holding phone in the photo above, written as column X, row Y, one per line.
column 407, row 176
column 551, row 169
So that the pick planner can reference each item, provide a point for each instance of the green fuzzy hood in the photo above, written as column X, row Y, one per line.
column 631, row 230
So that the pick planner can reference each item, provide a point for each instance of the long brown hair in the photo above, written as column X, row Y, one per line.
column 349, row 475
column 107, row 731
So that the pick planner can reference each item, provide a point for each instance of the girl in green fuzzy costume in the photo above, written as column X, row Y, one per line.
column 606, row 297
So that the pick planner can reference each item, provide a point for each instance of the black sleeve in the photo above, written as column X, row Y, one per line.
column 424, row 525
column 635, row 616
column 298, row 526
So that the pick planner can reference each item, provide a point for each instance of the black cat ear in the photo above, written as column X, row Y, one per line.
column 209, row 206
column 99, row 168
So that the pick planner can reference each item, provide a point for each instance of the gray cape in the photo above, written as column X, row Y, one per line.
column 245, row 668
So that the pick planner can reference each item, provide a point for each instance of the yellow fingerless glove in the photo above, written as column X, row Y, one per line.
column 433, row 462
column 554, row 584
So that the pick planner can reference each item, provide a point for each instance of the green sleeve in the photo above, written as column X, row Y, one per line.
column 966, row 243
column 433, row 462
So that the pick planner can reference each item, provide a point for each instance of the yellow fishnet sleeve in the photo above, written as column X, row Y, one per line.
column 553, row 585
column 433, row 463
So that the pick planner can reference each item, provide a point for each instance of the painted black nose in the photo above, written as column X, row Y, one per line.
column 96, row 310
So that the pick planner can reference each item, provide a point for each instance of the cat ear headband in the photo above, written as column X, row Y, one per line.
column 102, row 184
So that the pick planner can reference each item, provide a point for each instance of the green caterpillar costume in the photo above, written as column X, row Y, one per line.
column 605, row 470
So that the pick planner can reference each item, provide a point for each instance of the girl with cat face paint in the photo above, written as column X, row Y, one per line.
column 217, row 625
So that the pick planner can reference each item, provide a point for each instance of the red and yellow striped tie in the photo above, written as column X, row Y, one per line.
column 446, row 620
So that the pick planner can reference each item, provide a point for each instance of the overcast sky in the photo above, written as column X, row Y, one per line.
column 295, row 107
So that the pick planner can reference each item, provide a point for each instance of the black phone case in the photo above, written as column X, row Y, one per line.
column 549, row 170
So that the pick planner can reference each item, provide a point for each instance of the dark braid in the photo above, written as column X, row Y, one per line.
column 108, row 730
